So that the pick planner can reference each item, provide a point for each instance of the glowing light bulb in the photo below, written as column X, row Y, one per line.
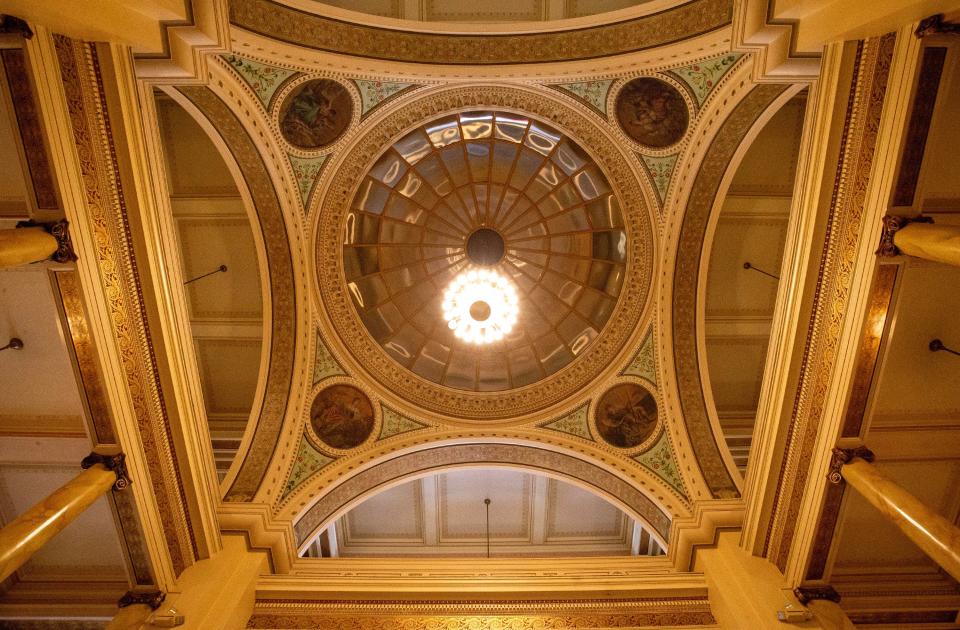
column 480, row 306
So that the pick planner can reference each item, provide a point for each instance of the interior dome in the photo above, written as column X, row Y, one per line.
column 497, row 191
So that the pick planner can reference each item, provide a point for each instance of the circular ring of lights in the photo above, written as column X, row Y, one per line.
column 480, row 306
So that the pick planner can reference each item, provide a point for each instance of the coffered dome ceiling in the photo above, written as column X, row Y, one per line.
column 495, row 191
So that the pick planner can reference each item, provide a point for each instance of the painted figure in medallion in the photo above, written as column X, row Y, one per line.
column 315, row 114
column 652, row 112
column 342, row 416
column 626, row 415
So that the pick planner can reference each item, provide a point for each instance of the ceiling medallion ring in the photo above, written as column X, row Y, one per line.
column 337, row 301
column 652, row 113
column 627, row 418
column 342, row 416
column 314, row 114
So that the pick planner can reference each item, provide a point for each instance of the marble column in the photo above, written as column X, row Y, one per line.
column 30, row 531
column 922, row 238
column 937, row 536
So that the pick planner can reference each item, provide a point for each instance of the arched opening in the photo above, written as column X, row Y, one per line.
column 220, row 256
column 743, row 273
column 446, row 514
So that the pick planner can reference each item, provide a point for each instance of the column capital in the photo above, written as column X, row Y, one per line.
column 60, row 231
column 842, row 456
column 153, row 599
column 891, row 225
column 117, row 463
column 807, row 594
column 935, row 25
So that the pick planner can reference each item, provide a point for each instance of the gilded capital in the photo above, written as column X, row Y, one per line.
column 117, row 463
column 60, row 231
column 842, row 456
column 153, row 599
column 807, row 594
column 891, row 225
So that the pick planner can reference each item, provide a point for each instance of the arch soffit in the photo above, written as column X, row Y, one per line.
column 710, row 168
column 624, row 34
column 286, row 288
column 401, row 465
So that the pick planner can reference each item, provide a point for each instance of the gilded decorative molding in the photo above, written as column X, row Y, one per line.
column 279, row 262
column 116, row 463
column 338, row 495
column 306, row 172
column 845, row 224
column 491, row 615
column 936, row 25
column 106, row 206
column 686, row 273
column 71, row 298
column 30, row 127
column 302, row 28
column 841, row 456
column 335, row 297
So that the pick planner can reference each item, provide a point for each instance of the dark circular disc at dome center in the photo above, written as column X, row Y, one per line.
column 485, row 247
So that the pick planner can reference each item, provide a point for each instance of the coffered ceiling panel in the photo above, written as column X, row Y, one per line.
column 392, row 516
column 746, row 237
column 229, row 370
column 914, row 381
column 770, row 165
column 575, row 513
column 463, row 513
column 37, row 380
column 208, row 242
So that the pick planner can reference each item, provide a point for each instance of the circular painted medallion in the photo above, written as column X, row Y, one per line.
column 652, row 112
column 626, row 415
column 342, row 416
column 315, row 113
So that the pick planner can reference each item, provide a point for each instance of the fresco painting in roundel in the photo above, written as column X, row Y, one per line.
column 342, row 416
column 315, row 114
column 652, row 112
column 626, row 415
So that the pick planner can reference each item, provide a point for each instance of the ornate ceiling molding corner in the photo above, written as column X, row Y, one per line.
column 374, row 93
column 325, row 365
column 703, row 77
column 661, row 461
column 395, row 423
column 701, row 527
column 772, row 42
column 307, row 462
column 256, row 521
column 187, row 44
column 591, row 93
column 264, row 79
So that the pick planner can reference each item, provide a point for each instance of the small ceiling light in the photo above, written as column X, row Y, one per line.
column 480, row 306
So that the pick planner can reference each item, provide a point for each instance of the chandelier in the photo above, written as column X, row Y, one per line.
column 480, row 306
